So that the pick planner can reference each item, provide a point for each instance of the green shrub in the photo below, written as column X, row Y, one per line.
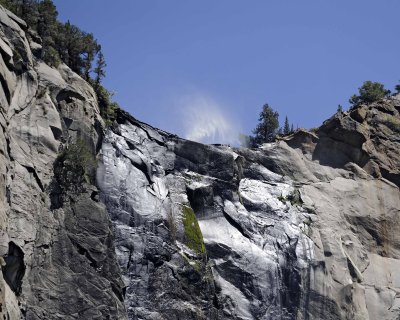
column 193, row 236
column 76, row 165
column 107, row 107
column 369, row 92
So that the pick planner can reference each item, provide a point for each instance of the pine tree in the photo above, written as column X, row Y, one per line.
column 90, row 49
column 369, row 92
column 71, row 46
column 8, row 4
column 77, row 49
column 60, row 42
column 286, row 128
column 65, row 42
column 291, row 129
column 47, row 28
column 99, row 70
column 339, row 108
column 397, row 88
column 29, row 12
column 268, row 125
column 12, row 5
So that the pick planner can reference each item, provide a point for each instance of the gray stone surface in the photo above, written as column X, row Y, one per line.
column 164, row 278
column 293, row 230
column 58, row 257
column 305, row 228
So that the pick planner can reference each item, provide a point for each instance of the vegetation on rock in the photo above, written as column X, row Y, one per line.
column 66, row 43
column 369, row 92
column 193, row 236
column 267, row 127
column 61, row 42
column 77, row 164
column 74, row 166
column 397, row 88
column 286, row 128
column 106, row 105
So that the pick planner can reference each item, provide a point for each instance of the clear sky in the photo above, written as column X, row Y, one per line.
column 203, row 69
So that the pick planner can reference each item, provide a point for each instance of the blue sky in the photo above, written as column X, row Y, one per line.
column 203, row 69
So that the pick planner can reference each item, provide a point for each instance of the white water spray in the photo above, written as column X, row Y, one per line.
column 207, row 121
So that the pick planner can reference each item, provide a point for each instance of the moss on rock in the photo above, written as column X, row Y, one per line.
column 193, row 236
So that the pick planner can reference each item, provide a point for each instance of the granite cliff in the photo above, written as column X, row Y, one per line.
column 131, row 222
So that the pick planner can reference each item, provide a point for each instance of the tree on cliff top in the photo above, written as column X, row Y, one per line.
column 397, row 88
column 286, row 127
column 61, row 42
column 267, row 127
column 65, row 42
column 99, row 69
column 369, row 92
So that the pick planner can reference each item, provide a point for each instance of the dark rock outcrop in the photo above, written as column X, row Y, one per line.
column 14, row 268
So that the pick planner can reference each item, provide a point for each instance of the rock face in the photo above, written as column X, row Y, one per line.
column 164, row 228
column 57, row 249
column 254, row 232
column 305, row 228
